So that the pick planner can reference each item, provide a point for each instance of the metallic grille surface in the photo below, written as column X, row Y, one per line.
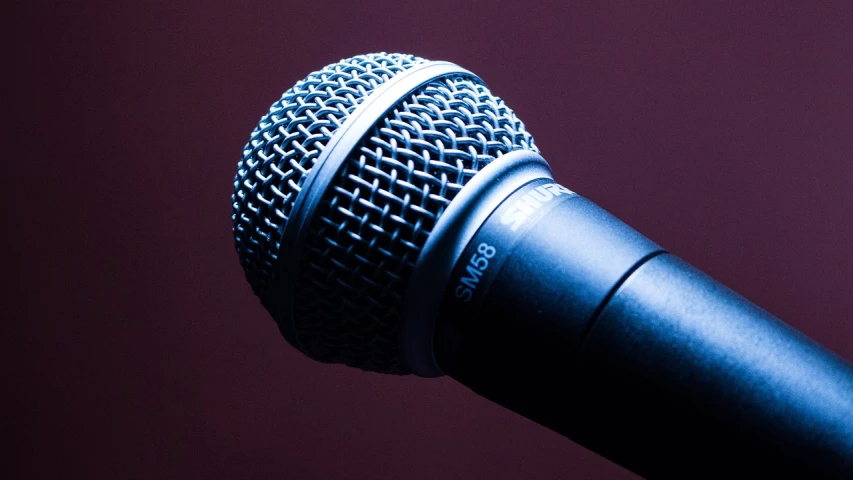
column 376, row 216
column 282, row 150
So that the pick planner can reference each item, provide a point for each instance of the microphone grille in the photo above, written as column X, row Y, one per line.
column 376, row 214
column 282, row 150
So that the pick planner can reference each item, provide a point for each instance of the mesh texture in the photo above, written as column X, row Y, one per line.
column 377, row 214
column 283, row 148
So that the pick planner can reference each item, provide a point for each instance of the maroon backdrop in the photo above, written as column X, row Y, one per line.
column 134, row 348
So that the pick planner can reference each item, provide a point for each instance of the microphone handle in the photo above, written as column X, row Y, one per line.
column 564, row 314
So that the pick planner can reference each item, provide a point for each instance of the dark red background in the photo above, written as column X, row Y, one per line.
column 135, row 349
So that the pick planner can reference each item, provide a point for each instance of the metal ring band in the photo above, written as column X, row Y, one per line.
column 426, row 288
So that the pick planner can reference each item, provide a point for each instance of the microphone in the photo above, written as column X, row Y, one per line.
column 393, row 215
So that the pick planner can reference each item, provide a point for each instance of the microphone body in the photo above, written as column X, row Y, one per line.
column 564, row 314
column 393, row 215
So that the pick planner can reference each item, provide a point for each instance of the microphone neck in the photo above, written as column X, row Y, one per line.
column 539, row 269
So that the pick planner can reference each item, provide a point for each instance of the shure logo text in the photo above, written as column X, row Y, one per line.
column 519, row 211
